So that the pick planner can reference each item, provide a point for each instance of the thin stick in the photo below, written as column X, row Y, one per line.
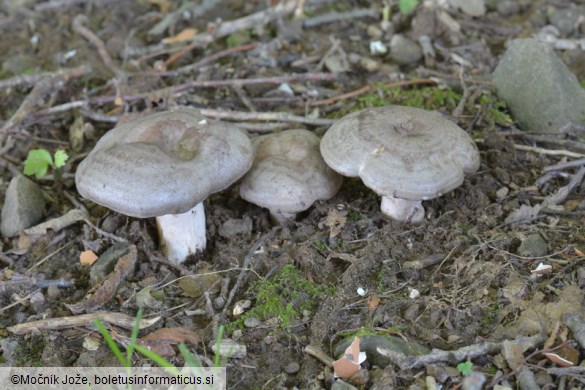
column 319, row 354
column 27, row 105
column 119, row 319
column 561, row 166
column 549, row 152
column 468, row 352
column 249, row 21
column 366, row 89
column 19, row 301
column 245, row 266
column 564, row 192
column 207, row 60
column 265, row 116
column 47, row 257
column 339, row 16
column 224, row 29
column 32, row 79
column 180, row 89
column 79, row 28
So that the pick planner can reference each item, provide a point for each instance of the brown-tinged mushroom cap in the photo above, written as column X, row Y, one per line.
column 401, row 152
column 164, row 163
column 288, row 174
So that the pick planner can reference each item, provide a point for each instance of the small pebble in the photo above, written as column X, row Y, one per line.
column 53, row 293
column 252, row 322
column 37, row 301
column 360, row 378
column 370, row 64
column 374, row 32
column 292, row 368
column 219, row 303
column 241, row 306
column 502, row 192
column 230, row 349
column 237, row 334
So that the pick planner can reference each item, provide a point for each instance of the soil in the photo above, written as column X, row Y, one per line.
column 474, row 281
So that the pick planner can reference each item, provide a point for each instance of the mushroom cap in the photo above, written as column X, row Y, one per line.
column 288, row 174
column 164, row 163
column 401, row 152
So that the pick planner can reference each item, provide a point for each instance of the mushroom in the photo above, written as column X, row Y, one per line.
column 404, row 154
column 164, row 165
column 288, row 174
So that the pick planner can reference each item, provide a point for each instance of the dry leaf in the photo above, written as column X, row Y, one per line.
column 564, row 356
column 162, row 340
column 109, row 286
column 559, row 360
column 373, row 302
column 335, row 221
column 513, row 353
column 87, row 257
column 185, row 35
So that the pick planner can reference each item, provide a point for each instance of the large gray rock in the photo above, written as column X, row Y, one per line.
column 23, row 206
column 541, row 92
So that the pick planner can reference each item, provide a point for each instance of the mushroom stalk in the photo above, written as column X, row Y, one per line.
column 182, row 234
column 403, row 210
column 281, row 217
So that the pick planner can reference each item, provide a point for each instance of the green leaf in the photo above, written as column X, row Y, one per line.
column 61, row 158
column 465, row 368
column 406, row 6
column 37, row 163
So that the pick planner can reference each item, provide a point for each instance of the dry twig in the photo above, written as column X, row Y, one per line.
column 122, row 320
column 245, row 266
column 224, row 29
column 468, row 352
column 264, row 116
column 366, row 89
column 27, row 80
column 79, row 28
column 549, row 152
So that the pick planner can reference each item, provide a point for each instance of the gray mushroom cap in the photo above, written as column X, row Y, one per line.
column 165, row 163
column 401, row 152
column 288, row 174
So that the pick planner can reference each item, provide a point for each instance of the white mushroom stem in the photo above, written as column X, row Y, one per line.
column 281, row 217
column 403, row 210
column 182, row 234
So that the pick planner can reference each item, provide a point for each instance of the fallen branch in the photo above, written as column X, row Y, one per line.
column 405, row 362
column 529, row 213
column 245, row 266
column 215, row 56
column 265, row 116
column 366, row 89
column 225, row 29
column 319, row 354
column 332, row 17
column 550, row 152
column 26, row 80
column 182, row 88
column 561, row 166
column 43, row 87
column 80, row 29
column 86, row 320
